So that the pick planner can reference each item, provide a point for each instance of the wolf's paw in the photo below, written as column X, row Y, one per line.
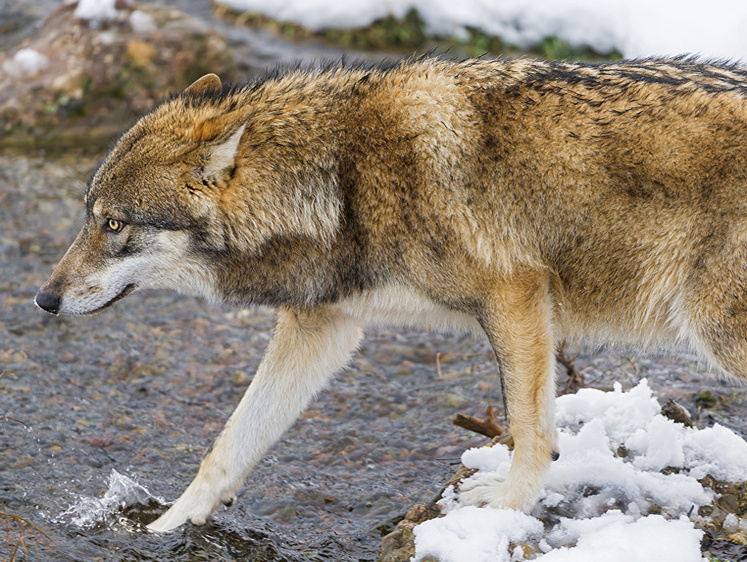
column 176, row 516
column 494, row 492
column 229, row 502
column 168, row 521
column 186, row 508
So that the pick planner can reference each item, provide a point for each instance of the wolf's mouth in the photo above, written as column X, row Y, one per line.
column 126, row 291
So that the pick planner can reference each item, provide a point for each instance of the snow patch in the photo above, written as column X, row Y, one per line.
column 477, row 535
column 635, row 28
column 26, row 63
column 615, row 537
column 601, row 493
column 142, row 22
column 96, row 11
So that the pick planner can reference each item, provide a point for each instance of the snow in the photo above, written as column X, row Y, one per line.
column 472, row 536
column 96, row 11
column 605, row 497
column 142, row 22
column 26, row 62
column 614, row 537
column 713, row 29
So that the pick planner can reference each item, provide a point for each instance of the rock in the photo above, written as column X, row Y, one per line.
column 399, row 545
column 12, row 356
column 141, row 52
column 78, row 81
column 71, row 83
column 677, row 413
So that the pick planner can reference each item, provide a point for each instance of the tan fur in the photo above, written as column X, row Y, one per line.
column 523, row 200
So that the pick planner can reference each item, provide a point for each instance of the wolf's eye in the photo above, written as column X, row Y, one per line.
column 113, row 225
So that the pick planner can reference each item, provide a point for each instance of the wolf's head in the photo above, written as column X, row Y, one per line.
column 158, row 183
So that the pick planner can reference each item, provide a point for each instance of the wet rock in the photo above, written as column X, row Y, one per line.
column 719, row 549
column 677, row 413
column 79, row 81
column 399, row 545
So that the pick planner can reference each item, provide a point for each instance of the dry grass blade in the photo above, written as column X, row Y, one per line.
column 10, row 418
column 18, row 532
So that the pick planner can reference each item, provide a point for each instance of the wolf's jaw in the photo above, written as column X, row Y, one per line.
column 126, row 291
column 81, row 311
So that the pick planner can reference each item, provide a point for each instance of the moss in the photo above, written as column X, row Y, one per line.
column 554, row 48
column 706, row 399
column 386, row 33
column 409, row 34
column 480, row 43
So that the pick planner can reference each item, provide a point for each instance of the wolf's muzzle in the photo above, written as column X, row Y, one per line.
column 48, row 301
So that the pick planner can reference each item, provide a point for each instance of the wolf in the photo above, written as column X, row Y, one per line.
column 519, row 200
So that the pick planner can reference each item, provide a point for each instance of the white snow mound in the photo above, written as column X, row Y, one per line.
column 601, row 491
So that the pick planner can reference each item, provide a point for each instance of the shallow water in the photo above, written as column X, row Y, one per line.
column 143, row 388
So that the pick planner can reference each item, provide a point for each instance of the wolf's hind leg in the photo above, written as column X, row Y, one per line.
column 517, row 320
column 712, row 311
column 306, row 349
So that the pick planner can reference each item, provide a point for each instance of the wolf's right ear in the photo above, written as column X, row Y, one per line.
column 220, row 128
column 204, row 84
column 220, row 136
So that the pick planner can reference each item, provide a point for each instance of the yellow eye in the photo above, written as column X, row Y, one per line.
column 114, row 225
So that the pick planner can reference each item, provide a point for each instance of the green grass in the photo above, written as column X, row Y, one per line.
column 409, row 34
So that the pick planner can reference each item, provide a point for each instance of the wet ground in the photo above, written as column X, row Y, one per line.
column 144, row 387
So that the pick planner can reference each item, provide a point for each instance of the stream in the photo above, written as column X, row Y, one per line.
column 104, row 418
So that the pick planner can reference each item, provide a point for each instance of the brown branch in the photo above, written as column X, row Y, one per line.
column 575, row 378
column 487, row 427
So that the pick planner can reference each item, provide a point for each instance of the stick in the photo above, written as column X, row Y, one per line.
column 487, row 427
column 575, row 379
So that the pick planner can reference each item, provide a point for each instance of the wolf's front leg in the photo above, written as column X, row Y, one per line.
column 518, row 321
column 306, row 349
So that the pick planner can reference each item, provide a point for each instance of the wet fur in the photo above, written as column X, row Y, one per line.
column 524, row 200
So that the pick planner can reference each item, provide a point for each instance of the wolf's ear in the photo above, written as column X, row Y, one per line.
column 221, row 136
column 221, row 127
column 202, row 85
column 223, row 156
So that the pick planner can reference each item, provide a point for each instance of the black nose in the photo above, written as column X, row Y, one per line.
column 48, row 301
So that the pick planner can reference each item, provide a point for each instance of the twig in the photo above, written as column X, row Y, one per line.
column 4, row 417
column 9, row 418
column 575, row 378
column 487, row 427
